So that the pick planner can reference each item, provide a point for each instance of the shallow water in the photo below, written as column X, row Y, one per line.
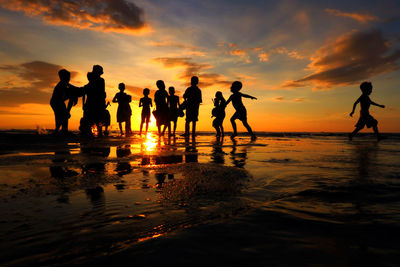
column 283, row 199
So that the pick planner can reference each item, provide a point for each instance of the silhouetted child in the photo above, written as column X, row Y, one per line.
column 146, row 103
column 62, row 92
column 174, row 105
column 219, row 113
column 365, row 117
column 241, row 112
column 193, row 99
column 162, row 111
column 124, row 111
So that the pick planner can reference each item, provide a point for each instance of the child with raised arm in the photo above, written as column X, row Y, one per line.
column 145, row 102
column 365, row 117
column 241, row 112
column 219, row 113
column 124, row 111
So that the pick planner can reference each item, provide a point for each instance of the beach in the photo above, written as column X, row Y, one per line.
column 284, row 199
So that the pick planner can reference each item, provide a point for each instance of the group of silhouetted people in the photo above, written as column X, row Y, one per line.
column 167, row 107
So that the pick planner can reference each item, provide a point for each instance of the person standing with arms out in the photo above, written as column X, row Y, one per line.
column 365, row 117
column 193, row 98
column 124, row 111
column 174, row 105
column 62, row 92
column 219, row 113
column 241, row 112
column 145, row 102
column 162, row 112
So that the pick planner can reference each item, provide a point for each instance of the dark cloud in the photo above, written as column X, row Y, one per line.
column 106, row 15
column 350, row 59
column 194, row 69
column 31, row 82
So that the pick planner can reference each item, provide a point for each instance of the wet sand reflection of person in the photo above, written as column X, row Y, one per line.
column 59, row 170
column 218, row 155
column 191, row 153
column 123, row 167
column 238, row 158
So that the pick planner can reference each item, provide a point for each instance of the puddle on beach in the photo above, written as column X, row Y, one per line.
column 85, row 199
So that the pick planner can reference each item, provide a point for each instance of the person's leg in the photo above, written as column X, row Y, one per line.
column 356, row 130
column 248, row 129
column 64, row 126
column 222, row 130
column 175, row 124
column 234, row 126
column 378, row 136
column 147, row 125
column 120, row 128
column 187, row 128
column 99, row 132
column 194, row 128
column 141, row 127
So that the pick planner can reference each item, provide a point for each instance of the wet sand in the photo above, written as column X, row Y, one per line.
column 314, row 199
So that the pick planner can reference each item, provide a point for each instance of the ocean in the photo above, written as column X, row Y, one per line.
column 284, row 199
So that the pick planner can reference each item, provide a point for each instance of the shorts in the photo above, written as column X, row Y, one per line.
column 366, row 120
column 240, row 114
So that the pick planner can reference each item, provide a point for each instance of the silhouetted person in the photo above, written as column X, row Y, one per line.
column 193, row 98
column 241, row 112
column 174, row 105
column 124, row 111
column 219, row 113
column 365, row 117
column 162, row 111
column 62, row 92
column 145, row 102
column 95, row 105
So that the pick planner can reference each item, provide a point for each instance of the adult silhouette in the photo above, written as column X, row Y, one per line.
column 193, row 98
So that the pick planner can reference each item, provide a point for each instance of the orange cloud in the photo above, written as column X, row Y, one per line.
column 362, row 18
column 189, row 49
column 353, row 57
column 194, row 69
column 33, row 83
column 104, row 15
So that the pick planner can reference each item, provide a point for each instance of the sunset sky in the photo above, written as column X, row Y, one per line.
column 303, row 60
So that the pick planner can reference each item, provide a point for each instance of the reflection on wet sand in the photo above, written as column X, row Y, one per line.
column 239, row 158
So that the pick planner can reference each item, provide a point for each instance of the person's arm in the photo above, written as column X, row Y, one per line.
column 228, row 101
column 375, row 104
column 179, row 104
column 140, row 102
column 151, row 103
column 248, row 96
column 115, row 99
column 201, row 98
column 354, row 106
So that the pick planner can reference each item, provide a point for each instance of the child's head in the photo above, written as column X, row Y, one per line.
column 194, row 81
column 218, row 94
column 236, row 86
column 366, row 88
column 146, row 91
column 171, row 90
column 97, row 70
column 121, row 87
column 160, row 84
column 89, row 76
column 64, row 75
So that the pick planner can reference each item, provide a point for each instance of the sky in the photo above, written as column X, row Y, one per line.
column 303, row 60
